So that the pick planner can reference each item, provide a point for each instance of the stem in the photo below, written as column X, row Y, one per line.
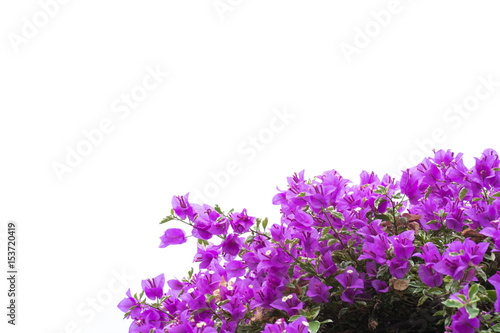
column 393, row 214
column 192, row 225
column 342, row 243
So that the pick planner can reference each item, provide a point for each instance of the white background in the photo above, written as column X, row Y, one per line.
column 228, row 70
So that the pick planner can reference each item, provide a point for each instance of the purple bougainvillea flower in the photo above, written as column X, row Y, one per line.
column 182, row 208
column 459, row 256
column 370, row 231
column 431, row 256
column 290, row 303
column 495, row 281
column 474, row 252
column 494, row 233
column 461, row 322
column 208, row 281
column 452, row 266
column 279, row 326
column 429, row 276
column 129, row 302
column 207, row 222
column 219, row 227
column 349, row 294
column 301, row 220
column 368, row 178
column 350, row 279
column 264, row 296
column 403, row 244
column 241, row 222
column 251, row 260
column 235, row 307
column 300, row 325
column 205, row 255
column 430, row 253
column 409, row 185
column 398, row 267
column 154, row 288
column 308, row 239
column 173, row 236
column 484, row 172
column 235, row 268
column 232, row 244
column 318, row 291
column 376, row 250
column 327, row 265
column 380, row 286
column 371, row 268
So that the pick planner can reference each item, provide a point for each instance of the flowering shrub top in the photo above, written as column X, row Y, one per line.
column 384, row 254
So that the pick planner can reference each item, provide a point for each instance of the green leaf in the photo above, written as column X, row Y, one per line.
column 380, row 190
column 166, row 219
column 496, row 328
column 422, row 300
column 379, row 201
column 492, row 295
column 398, row 196
column 264, row 223
column 496, row 194
column 314, row 326
column 438, row 313
column 481, row 273
column 291, row 270
column 472, row 311
column 313, row 313
column 326, row 321
column 294, row 318
column 301, row 194
column 462, row 193
column 351, row 242
column 342, row 312
column 327, row 236
column 473, row 291
column 490, row 257
column 218, row 210
column 332, row 241
column 428, row 192
column 453, row 303
column 338, row 215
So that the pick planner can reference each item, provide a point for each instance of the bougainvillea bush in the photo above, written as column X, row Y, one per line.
column 416, row 254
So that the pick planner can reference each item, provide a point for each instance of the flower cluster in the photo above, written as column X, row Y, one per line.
column 342, row 254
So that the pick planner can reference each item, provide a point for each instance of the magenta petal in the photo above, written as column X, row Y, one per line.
column 173, row 236
column 235, row 268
